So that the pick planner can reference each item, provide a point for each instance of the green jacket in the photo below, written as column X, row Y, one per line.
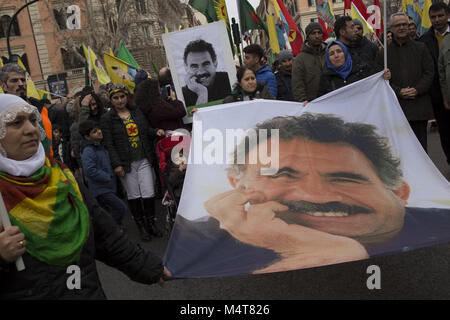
column 306, row 71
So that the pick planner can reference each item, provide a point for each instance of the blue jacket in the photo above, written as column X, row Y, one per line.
column 97, row 168
column 265, row 75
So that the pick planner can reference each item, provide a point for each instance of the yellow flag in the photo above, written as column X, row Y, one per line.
column 119, row 71
column 426, row 22
column 1, row 65
column 31, row 88
column 273, row 37
column 102, row 75
column 86, row 55
column 111, row 53
column 355, row 14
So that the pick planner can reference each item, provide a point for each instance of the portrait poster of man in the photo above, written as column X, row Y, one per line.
column 202, row 64
column 283, row 187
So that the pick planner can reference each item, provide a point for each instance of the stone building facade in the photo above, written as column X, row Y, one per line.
column 48, row 48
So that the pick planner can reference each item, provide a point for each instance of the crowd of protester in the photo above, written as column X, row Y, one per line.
column 106, row 137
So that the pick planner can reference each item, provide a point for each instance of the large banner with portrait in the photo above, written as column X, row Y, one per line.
column 284, row 187
column 201, row 63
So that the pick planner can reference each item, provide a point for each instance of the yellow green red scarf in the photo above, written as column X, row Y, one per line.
column 49, row 209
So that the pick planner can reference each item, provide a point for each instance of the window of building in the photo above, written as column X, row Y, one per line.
column 141, row 6
column 60, row 18
column 311, row 3
column 71, row 60
column 337, row 1
column 146, row 31
column 314, row 20
column 4, row 22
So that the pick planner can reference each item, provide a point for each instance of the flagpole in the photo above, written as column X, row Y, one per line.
column 385, row 35
column 240, row 31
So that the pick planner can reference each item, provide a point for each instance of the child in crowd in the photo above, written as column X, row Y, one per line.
column 98, row 171
column 61, row 147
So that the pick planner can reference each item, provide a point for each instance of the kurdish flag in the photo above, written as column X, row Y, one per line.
column 120, row 72
column 125, row 55
column 31, row 88
column 49, row 209
column 95, row 64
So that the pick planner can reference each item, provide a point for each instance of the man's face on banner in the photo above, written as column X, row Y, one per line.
column 201, row 67
column 330, row 187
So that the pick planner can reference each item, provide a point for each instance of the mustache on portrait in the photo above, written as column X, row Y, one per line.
column 206, row 74
column 334, row 206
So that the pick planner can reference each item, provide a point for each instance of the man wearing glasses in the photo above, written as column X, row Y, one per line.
column 412, row 72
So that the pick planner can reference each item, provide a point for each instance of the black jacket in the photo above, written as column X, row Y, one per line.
column 330, row 80
column 432, row 45
column 284, row 85
column 116, row 141
column 105, row 243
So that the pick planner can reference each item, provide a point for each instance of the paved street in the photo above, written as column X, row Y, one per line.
column 420, row 274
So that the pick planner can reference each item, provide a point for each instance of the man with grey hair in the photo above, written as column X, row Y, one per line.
column 412, row 73
column 13, row 80
column 339, row 195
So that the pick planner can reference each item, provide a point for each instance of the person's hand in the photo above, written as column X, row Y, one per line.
column 86, row 100
column 408, row 93
column 193, row 110
column 298, row 246
column 173, row 96
column 166, row 273
column 160, row 133
column 182, row 166
column 387, row 74
column 446, row 105
column 198, row 88
column 119, row 171
column 12, row 243
column 305, row 103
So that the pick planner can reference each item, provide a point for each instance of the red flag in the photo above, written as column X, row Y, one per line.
column 327, row 30
column 295, row 37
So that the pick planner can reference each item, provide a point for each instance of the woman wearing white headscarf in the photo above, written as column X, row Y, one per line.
column 52, row 225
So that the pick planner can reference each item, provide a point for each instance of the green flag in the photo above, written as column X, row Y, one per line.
column 126, row 56
column 249, row 18
column 207, row 7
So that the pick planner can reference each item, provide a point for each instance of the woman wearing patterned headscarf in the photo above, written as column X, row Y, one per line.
column 342, row 69
column 52, row 226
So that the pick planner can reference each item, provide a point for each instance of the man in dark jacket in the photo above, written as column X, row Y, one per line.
column 284, row 76
column 439, row 12
column 253, row 57
column 309, row 64
column 412, row 72
column 362, row 47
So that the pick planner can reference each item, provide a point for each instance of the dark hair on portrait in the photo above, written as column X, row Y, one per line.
column 438, row 6
column 200, row 46
column 325, row 128
column 86, row 127
column 341, row 23
column 255, row 49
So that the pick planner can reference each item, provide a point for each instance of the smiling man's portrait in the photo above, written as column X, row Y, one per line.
column 339, row 195
column 203, row 83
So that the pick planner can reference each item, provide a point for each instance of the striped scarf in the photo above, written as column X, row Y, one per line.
column 49, row 209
